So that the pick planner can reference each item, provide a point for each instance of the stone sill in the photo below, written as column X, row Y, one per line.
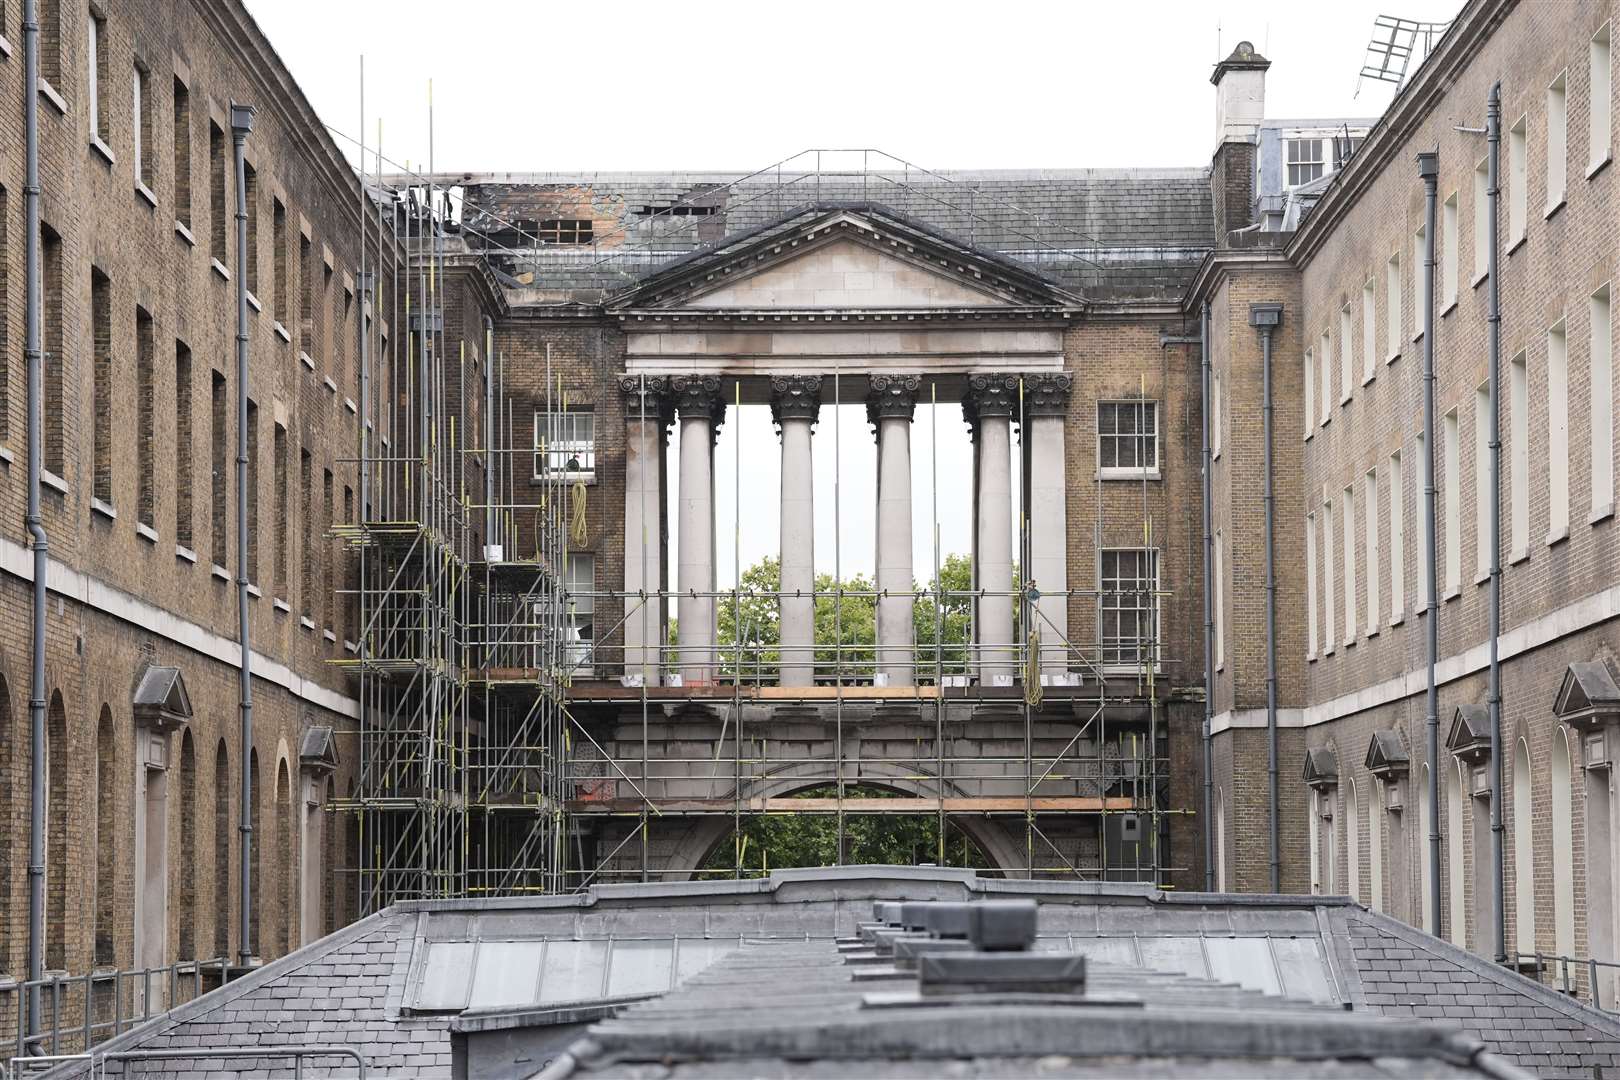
column 348, row 403
column 1482, row 577
column 329, row 636
column 7, row 457
column 1558, row 536
column 1372, row 631
column 1392, row 357
column 331, row 387
column 1516, row 243
column 146, row 532
column 1451, row 305
column 1600, row 513
column 1366, row 380
column 253, row 591
column 1397, row 621
column 48, row 92
column 253, row 301
column 281, row 331
column 1591, row 170
column 303, row 358
column 54, row 482
column 306, row 622
column 219, row 268
column 1129, row 474
column 183, row 232
column 182, row 552
column 1547, row 214
column 146, row 193
column 1451, row 593
column 281, row 605
column 104, row 509
column 103, row 151
column 1479, row 279
column 5, row 47
column 220, row 572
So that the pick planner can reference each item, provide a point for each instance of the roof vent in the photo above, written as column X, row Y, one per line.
column 1000, row 933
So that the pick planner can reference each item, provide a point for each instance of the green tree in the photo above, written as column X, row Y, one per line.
column 949, row 615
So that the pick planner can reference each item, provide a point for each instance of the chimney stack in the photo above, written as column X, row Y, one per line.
column 1240, row 105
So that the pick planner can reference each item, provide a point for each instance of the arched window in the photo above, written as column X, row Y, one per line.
column 1457, row 913
column 1563, row 845
column 105, row 894
column 222, row 904
column 187, row 891
column 1220, row 839
column 1425, row 893
column 1375, row 845
column 56, row 833
column 11, row 925
column 255, row 857
column 285, row 878
column 1352, row 840
column 1524, row 860
column 332, row 876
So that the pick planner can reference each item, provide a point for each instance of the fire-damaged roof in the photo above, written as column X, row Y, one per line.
column 1108, row 234
column 407, row 987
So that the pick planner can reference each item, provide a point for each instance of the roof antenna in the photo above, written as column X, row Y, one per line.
column 1394, row 43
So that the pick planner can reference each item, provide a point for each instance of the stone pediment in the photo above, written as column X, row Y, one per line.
column 1321, row 767
column 840, row 259
column 1589, row 695
column 1470, row 735
column 161, row 701
column 1386, row 757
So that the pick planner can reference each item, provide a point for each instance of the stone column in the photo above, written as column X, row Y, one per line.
column 890, row 407
column 1046, row 408
column 795, row 404
column 644, row 424
column 701, row 411
column 992, row 400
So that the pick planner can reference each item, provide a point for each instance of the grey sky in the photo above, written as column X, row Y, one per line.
column 529, row 87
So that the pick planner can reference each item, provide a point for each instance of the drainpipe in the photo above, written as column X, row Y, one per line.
column 1209, row 610
column 489, row 434
column 1493, row 322
column 241, row 124
column 34, row 355
column 1429, row 172
column 1265, row 318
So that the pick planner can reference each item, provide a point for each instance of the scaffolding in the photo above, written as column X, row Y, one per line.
column 497, row 755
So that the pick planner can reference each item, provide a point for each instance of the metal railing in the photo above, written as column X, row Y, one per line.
column 1564, row 973
column 79, row 1011
column 20, row 1066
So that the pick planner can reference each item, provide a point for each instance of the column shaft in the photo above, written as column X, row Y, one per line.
column 891, row 405
column 697, row 400
column 643, row 546
column 1046, row 404
column 795, row 403
column 992, row 402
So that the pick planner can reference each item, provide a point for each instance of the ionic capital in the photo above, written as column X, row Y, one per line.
column 892, row 397
column 991, row 395
column 655, row 406
column 1047, row 394
column 795, row 397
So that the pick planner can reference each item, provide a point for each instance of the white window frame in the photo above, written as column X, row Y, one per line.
column 1518, row 181
column 1112, row 597
column 1310, row 393
column 1317, row 158
column 580, row 611
column 1600, row 91
column 1329, row 585
column 1369, row 332
column 1325, row 349
column 1347, row 526
column 1519, row 456
column 1557, row 432
column 1347, row 376
column 1215, row 405
column 1397, row 538
column 1482, row 481
column 1220, row 600
column 546, row 422
column 1424, row 309
column 1601, row 396
column 1451, row 488
column 1145, row 409
column 1482, row 221
column 93, row 30
column 1557, row 141
column 1421, row 506
column 1369, row 524
column 1310, row 585
column 1450, row 255
column 1392, row 305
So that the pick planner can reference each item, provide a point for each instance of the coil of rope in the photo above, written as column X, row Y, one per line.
column 580, row 532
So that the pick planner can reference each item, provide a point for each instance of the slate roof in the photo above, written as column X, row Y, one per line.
column 361, row 986
column 1107, row 233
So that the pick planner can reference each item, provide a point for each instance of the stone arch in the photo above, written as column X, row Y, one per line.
column 56, row 788
column 1220, row 839
column 222, row 851
column 187, row 891
column 104, row 894
column 1352, row 839
column 1453, row 785
column 1002, row 849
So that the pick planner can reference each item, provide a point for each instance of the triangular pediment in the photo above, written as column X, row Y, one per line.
column 1588, row 694
column 1470, row 734
column 160, row 700
column 1321, row 767
column 821, row 259
column 1386, row 757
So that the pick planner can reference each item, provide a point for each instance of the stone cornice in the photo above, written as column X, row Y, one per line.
column 1384, row 144
column 795, row 397
column 651, row 318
